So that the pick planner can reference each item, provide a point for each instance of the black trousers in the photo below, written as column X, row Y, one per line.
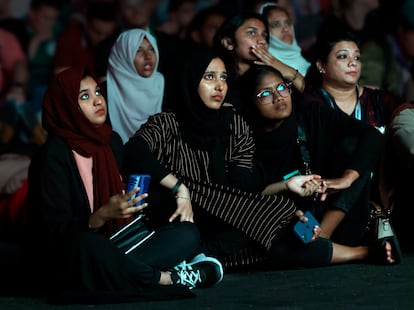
column 354, row 202
column 235, row 249
column 88, row 262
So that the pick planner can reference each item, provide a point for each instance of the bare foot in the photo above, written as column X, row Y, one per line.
column 388, row 249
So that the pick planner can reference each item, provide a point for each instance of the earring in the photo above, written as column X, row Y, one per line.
column 230, row 47
column 322, row 71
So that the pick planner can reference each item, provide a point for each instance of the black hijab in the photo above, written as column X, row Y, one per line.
column 202, row 127
column 200, row 124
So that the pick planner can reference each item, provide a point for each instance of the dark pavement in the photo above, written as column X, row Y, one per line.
column 349, row 286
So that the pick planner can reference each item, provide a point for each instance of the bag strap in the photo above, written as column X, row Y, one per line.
column 303, row 147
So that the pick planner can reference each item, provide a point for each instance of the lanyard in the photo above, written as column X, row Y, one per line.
column 357, row 111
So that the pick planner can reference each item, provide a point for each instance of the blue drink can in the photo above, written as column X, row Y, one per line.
column 138, row 180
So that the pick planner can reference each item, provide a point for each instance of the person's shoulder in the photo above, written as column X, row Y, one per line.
column 236, row 118
column 309, row 95
column 162, row 119
column 54, row 148
column 6, row 35
column 54, row 144
column 115, row 139
column 406, row 108
column 380, row 95
column 163, row 115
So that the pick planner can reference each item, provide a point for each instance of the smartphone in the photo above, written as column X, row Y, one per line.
column 304, row 230
column 138, row 180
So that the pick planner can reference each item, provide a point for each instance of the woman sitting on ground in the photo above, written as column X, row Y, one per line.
column 203, row 160
column 293, row 136
column 77, row 201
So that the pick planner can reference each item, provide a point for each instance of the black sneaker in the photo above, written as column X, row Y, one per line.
column 201, row 271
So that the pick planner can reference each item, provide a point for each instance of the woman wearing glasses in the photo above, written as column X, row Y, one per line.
column 295, row 137
column 202, row 166
column 243, row 40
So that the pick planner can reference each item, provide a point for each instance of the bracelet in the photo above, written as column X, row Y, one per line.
column 285, row 185
column 181, row 197
column 174, row 190
column 295, row 76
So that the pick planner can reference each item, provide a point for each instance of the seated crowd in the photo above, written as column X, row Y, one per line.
column 243, row 120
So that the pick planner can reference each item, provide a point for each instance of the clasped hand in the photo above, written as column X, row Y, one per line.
column 306, row 185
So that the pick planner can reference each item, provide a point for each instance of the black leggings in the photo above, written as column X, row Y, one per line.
column 170, row 245
column 289, row 251
column 354, row 202
column 90, row 262
column 286, row 250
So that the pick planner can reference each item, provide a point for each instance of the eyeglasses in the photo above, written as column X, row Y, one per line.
column 268, row 96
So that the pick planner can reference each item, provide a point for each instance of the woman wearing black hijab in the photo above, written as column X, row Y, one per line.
column 201, row 160
column 77, row 200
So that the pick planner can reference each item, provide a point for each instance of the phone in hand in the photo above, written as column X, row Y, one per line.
column 138, row 180
column 304, row 230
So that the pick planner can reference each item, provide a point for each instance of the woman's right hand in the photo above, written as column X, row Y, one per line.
column 118, row 207
column 345, row 181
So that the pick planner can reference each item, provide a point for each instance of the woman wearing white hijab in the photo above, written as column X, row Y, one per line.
column 282, row 40
column 135, row 87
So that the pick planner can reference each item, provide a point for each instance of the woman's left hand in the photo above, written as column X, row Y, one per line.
column 184, row 207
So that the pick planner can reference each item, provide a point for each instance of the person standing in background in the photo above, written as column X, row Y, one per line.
column 79, row 43
column 389, row 63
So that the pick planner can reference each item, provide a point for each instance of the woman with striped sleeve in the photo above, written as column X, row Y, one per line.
column 202, row 169
column 201, row 160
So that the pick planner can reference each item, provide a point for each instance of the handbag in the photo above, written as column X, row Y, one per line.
column 132, row 235
column 379, row 222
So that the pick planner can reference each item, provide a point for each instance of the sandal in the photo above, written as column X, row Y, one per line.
column 378, row 252
column 383, row 234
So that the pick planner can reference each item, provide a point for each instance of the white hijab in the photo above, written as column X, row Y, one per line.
column 290, row 54
column 131, row 97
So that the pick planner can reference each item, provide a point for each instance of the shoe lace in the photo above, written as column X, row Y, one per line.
column 188, row 276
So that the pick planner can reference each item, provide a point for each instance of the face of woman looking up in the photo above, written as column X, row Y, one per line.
column 273, row 100
column 343, row 66
column 91, row 101
column 145, row 59
column 213, row 85
column 281, row 26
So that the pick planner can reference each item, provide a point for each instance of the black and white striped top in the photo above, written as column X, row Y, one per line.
column 261, row 217
column 162, row 133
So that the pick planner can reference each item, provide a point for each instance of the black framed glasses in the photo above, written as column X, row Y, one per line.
column 268, row 96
